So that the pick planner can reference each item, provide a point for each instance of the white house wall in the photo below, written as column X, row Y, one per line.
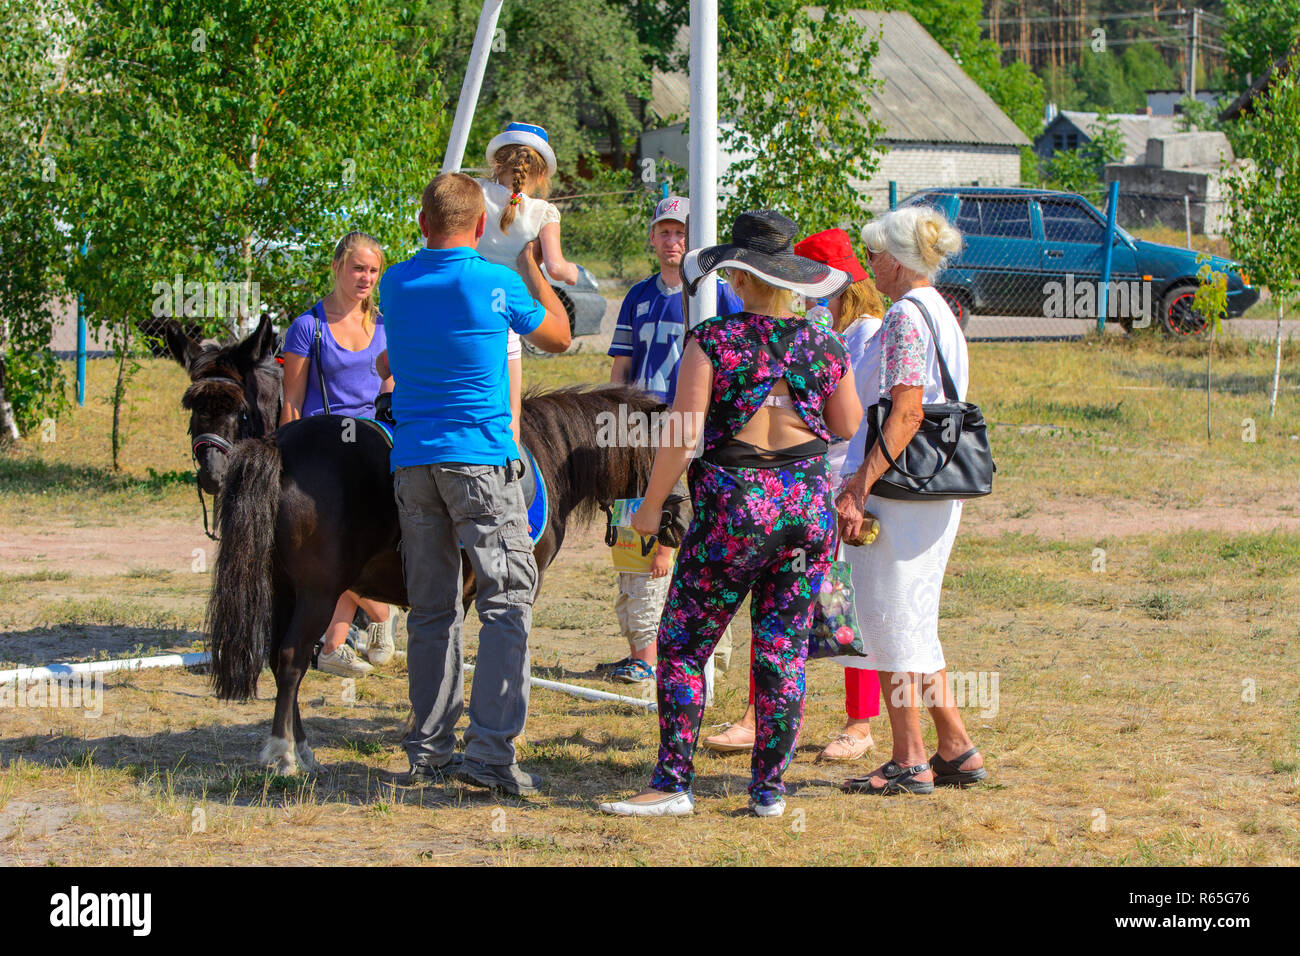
column 916, row 166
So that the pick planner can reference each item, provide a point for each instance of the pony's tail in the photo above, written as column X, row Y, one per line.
column 238, row 620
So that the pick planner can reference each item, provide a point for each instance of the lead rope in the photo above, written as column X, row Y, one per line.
column 204, row 505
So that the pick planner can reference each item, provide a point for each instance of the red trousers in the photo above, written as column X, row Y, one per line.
column 861, row 692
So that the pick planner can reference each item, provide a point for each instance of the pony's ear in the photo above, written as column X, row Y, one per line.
column 183, row 348
column 266, row 337
column 254, row 348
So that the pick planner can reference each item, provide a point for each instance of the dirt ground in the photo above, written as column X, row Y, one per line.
column 1127, row 596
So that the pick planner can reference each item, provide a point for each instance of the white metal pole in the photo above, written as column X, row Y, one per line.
column 703, row 228
column 1277, row 361
column 704, row 145
column 469, row 89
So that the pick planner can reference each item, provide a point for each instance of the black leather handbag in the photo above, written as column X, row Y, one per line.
column 949, row 456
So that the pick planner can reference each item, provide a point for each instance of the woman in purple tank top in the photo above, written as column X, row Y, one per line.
column 330, row 367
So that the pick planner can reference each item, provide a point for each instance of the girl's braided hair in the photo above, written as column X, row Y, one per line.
column 528, row 173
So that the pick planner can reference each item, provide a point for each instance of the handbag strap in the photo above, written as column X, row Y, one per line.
column 949, row 389
column 884, row 447
column 316, row 356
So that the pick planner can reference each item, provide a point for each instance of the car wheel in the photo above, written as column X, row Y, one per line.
column 570, row 311
column 959, row 303
column 1177, row 317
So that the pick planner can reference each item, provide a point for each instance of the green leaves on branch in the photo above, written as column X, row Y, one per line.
column 792, row 108
column 1264, row 194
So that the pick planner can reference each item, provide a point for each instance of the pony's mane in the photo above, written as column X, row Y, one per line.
column 221, row 397
column 561, row 429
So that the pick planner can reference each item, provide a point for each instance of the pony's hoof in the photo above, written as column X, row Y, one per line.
column 278, row 757
column 307, row 759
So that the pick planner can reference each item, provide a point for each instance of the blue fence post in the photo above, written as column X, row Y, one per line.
column 81, row 349
column 893, row 194
column 81, row 336
column 1103, row 294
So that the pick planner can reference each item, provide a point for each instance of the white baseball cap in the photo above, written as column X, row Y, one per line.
column 676, row 208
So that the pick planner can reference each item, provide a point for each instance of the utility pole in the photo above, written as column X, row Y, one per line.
column 1191, row 53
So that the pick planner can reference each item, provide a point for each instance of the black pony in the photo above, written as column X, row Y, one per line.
column 308, row 512
column 234, row 394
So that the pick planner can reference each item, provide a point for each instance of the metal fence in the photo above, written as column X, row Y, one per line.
column 1037, row 264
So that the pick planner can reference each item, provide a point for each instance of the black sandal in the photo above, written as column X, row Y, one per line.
column 948, row 773
column 897, row 780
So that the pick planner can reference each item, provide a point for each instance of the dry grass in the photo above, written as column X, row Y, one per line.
column 1146, row 714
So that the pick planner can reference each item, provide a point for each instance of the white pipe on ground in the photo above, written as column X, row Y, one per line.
column 193, row 660
column 103, row 667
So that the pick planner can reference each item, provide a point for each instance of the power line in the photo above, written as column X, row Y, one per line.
column 1089, row 18
column 1075, row 45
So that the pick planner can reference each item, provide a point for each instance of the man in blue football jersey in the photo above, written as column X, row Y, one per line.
column 651, row 331
column 647, row 348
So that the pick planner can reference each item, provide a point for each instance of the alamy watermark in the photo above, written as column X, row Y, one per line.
column 1080, row 299
column 634, row 428
column 176, row 298
column 83, row 692
column 963, row 688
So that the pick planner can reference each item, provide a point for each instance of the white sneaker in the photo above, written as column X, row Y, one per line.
column 770, row 810
column 670, row 805
column 379, row 640
column 343, row 662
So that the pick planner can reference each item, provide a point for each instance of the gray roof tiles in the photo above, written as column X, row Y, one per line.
column 926, row 97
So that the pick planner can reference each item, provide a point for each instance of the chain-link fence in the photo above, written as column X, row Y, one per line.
column 1037, row 264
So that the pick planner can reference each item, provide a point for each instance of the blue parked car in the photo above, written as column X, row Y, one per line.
column 1037, row 252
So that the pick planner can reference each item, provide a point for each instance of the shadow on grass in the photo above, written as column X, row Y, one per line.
column 68, row 641
column 27, row 474
column 1229, row 383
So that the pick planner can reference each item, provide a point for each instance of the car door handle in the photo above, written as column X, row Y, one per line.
column 1054, row 253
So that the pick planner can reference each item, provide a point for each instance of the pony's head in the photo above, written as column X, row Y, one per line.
column 234, row 393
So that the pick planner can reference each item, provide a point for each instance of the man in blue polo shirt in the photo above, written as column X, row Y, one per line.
column 647, row 349
column 446, row 311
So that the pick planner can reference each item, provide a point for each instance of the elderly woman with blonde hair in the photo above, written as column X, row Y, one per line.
column 897, row 578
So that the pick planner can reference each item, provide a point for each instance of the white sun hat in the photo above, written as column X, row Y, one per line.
column 524, row 134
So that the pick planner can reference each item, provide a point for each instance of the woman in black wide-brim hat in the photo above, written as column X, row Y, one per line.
column 761, row 391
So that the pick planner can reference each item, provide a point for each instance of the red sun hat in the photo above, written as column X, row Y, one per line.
column 833, row 248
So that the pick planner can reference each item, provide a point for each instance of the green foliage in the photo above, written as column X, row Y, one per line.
column 609, row 223
column 571, row 66
column 1081, row 170
column 1112, row 81
column 1211, row 299
column 796, row 89
column 1257, row 33
column 240, row 146
column 32, row 133
column 1264, row 196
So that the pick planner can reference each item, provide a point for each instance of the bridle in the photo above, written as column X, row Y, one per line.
column 211, row 440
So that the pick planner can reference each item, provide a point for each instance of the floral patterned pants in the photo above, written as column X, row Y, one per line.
column 765, row 530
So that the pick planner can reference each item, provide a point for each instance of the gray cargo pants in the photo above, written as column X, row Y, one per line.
column 443, row 508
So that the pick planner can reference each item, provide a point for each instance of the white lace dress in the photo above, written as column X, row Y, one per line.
column 897, row 579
